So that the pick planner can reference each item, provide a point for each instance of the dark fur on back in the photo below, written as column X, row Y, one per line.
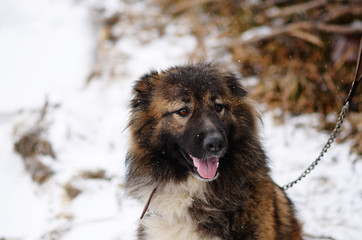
column 242, row 202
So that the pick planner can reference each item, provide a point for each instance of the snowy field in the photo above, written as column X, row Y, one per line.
column 48, row 48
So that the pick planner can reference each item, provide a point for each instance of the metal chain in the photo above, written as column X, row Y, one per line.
column 342, row 115
column 331, row 139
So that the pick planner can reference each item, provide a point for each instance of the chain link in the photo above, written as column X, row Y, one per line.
column 331, row 139
column 342, row 115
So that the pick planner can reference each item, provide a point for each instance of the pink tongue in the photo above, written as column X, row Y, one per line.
column 206, row 167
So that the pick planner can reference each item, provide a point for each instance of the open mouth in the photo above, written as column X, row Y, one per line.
column 206, row 169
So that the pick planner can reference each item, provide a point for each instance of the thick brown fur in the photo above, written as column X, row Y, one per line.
column 242, row 201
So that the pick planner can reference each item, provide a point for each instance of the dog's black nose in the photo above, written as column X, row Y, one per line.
column 214, row 142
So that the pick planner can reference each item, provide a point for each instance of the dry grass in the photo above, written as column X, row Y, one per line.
column 31, row 145
column 305, row 60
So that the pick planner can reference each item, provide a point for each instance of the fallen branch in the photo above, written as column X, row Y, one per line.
column 342, row 12
column 300, row 26
column 309, row 37
column 302, row 7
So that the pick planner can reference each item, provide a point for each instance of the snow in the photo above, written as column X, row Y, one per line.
column 257, row 31
column 329, row 199
column 47, row 52
column 35, row 41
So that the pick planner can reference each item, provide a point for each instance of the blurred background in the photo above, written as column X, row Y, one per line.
column 66, row 72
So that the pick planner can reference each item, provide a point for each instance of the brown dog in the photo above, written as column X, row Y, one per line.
column 194, row 137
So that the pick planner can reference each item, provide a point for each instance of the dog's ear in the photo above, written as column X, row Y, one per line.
column 234, row 85
column 142, row 91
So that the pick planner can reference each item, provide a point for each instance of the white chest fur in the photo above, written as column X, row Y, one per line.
column 168, row 216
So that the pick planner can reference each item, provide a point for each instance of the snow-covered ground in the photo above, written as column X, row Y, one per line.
column 47, row 51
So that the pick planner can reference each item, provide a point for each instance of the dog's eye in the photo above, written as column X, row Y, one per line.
column 218, row 107
column 183, row 112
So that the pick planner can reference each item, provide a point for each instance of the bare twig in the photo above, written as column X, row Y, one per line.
column 43, row 111
column 310, row 236
column 275, row 32
column 304, row 25
column 335, row 28
column 309, row 37
column 340, row 12
column 184, row 5
column 302, row 7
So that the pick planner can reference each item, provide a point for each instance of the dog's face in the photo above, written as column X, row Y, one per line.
column 196, row 128
column 188, row 118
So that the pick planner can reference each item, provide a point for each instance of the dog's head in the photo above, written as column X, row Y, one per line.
column 187, row 120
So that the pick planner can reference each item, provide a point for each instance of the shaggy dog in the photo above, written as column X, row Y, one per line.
column 194, row 145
